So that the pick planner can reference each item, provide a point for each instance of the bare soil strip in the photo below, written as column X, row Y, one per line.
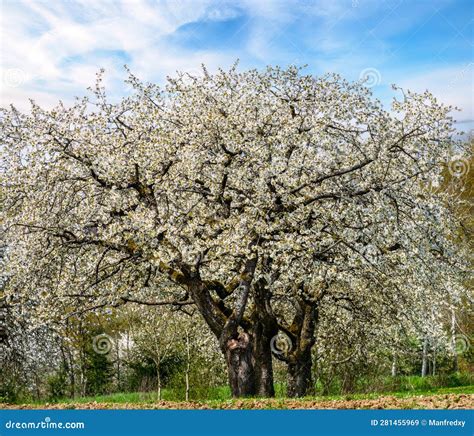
column 446, row 401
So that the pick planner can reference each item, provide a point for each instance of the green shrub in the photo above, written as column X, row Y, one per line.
column 57, row 386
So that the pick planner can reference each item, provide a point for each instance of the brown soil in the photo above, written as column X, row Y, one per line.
column 447, row 401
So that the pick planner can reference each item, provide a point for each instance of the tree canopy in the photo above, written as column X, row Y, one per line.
column 266, row 199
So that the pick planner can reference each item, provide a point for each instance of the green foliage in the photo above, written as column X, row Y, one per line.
column 11, row 391
column 13, row 387
column 57, row 385
column 387, row 384
column 142, row 374
column 98, row 369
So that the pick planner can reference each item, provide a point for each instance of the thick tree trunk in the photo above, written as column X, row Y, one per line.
column 265, row 327
column 299, row 380
column 236, row 346
column 240, row 366
column 249, row 365
column 263, row 365
column 245, row 345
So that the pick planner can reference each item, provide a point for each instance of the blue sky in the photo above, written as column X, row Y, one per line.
column 51, row 50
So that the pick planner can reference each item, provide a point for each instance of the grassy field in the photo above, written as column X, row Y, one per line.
column 460, row 397
column 222, row 395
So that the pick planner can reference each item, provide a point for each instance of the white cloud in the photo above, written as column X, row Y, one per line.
column 73, row 40
column 59, row 46
column 451, row 85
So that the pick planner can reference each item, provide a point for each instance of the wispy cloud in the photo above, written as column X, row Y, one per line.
column 52, row 50
column 452, row 85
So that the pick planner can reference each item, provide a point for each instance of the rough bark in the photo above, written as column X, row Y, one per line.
column 249, row 365
column 245, row 343
column 302, row 330
column 263, row 366
column 265, row 327
column 240, row 366
column 299, row 380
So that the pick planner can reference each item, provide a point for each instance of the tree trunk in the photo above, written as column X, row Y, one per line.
column 72, row 375
column 158, row 380
column 240, row 366
column 424, row 363
column 299, row 380
column 246, row 348
column 188, row 364
column 265, row 327
column 263, row 365
column 117, row 350
column 453, row 341
column 249, row 365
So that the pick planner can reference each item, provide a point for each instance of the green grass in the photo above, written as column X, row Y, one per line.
column 219, row 393
column 222, row 395
column 403, row 394
column 120, row 397
column 400, row 387
column 410, row 384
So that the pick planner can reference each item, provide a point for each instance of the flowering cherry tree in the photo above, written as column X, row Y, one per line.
column 256, row 197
